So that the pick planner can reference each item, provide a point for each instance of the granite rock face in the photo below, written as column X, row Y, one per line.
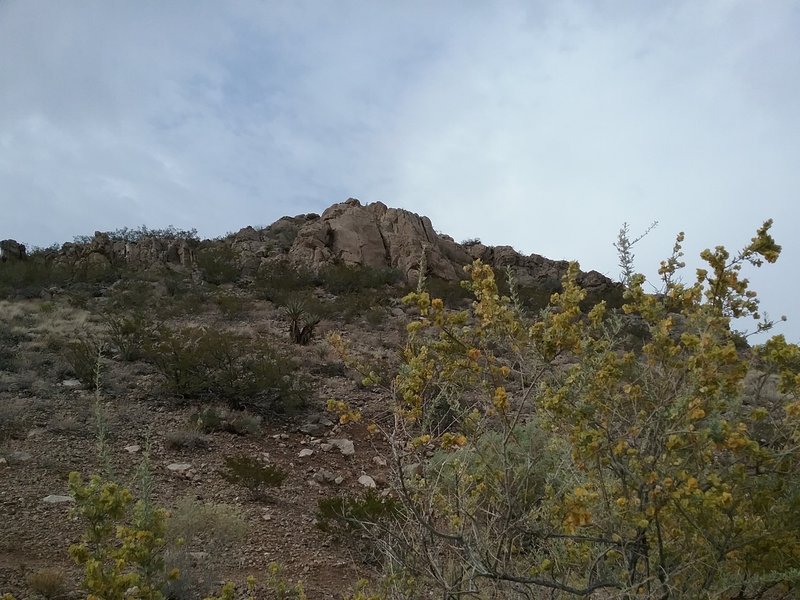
column 379, row 237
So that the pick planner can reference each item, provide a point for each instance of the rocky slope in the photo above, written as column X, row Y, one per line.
column 351, row 233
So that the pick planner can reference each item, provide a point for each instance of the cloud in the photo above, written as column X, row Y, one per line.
column 536, row 124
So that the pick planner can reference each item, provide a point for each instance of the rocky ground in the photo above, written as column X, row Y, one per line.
column 50, row 428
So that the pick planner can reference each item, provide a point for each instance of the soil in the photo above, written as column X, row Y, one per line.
column 51, row 430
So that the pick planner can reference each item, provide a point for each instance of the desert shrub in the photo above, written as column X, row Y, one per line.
column 210, row 364
column 578, row 468
column 49, row 583
column 123, row 544
column 9, row 340
column 355, row 520
column 230, row 306
column 28, row 277
column 83, row 354
column 218, row 264
column 129, row 333
column 240, row 422
column 348, row 279
column 302, row 320
column 452, row 293
column 189, row 439
column 257, row 477
column 351, row 514
column 137, row 234
column 203, row 527
column 281, row 280
column 12, row 418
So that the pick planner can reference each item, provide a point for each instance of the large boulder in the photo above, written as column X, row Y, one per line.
column 11, row 250
column 378, row 237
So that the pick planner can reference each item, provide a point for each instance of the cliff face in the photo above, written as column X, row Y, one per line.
column 371, row 235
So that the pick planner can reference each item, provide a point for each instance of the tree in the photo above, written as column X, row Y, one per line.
column 544, row 457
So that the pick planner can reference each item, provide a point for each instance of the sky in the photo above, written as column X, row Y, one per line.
column 540, row 125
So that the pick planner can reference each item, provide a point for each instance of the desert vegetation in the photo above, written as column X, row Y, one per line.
column 511, row 441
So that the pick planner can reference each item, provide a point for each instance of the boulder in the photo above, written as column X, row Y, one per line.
column 12, row 250
column 378, row 237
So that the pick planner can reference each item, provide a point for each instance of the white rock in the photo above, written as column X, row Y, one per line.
column 179, row 467
column 306, row 452
column 367, row 481
column 57, row 499
column 71, row 383
column 379, row 460
column 133, row 448
column 345, row 446
column 325, row 447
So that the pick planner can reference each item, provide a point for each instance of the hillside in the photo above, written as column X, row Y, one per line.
column 215, row 362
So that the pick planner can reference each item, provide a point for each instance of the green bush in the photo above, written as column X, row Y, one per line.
column 202, row 363
column 129, row 334
column 348, row 279
column 352, row 514
column 83, row 356
column 240, row 422
column 253, row 475
column 279, row 281
column 28, row 277
column 218, row 264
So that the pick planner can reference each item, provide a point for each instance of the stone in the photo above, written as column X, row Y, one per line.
column 325, row 447
column 12, row 250
column 367, row 481
column 311, row 428
column 413, row 470
column 57, row 499
column 133, row 448
column 179, row 467
column 71, row 383
column 19, row 457
column 345, row 446
column 379, row 461
column 305, row 452
column 324, row 476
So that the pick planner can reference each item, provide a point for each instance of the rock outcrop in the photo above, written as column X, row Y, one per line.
column 102, row 252
column 11, row 250
column 378, row 237
column 351, row 233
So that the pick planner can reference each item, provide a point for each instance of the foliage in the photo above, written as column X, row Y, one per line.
column 348, row 279
column 351, row 513
column 48, row 582
column 218, row 264
column 82, row 354
column 281, row 280
column 302, row 321
column 240, row 422
column 210, row 364
column 253, row 475
column 136, row 234
column 122, row 547
column 129, row 333
column 27, row 277
column 565, row 465
column 203, row 526
column 624, row 246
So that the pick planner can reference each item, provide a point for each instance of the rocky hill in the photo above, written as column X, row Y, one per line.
column 347, row 233
column 211, row 356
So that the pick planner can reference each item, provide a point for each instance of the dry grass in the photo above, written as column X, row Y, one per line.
column 48, row 582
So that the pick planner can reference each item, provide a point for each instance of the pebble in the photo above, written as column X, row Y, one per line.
column 367, row 481
column 306, row 452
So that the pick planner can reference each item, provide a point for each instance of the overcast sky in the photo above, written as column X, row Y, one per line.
column 541, row 125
